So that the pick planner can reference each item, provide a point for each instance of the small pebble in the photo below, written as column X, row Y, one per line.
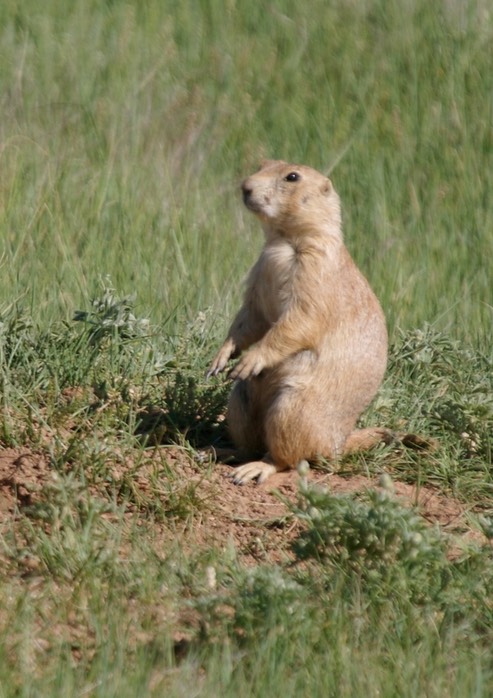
column 386, row 483
column 303, row 468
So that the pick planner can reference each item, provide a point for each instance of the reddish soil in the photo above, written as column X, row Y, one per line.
column 23, row 475
column 252, row 519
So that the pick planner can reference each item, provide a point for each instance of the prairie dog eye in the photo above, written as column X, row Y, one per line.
column 292, row 177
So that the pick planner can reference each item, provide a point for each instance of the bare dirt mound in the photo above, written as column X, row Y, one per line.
column 258, row 522
column 253, row 520
column 23, row 475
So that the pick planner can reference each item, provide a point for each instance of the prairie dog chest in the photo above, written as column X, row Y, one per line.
column 271, row 280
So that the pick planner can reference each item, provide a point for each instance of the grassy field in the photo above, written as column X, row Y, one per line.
column 128, row 566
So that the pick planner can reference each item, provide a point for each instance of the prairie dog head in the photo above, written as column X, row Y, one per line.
column 292, row 200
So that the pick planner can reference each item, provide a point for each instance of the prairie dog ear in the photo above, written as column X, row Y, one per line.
column 267, row 163
column 326, row 187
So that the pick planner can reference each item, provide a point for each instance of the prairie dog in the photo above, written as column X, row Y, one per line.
column 311, row 334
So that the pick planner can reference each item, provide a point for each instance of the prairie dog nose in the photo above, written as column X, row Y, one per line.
column 246, row 191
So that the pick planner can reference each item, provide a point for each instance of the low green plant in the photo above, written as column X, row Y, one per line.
column 112, row 315
column 452, row 388
column 374, row 538
column 66, row 531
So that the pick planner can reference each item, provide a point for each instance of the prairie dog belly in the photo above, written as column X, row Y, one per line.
column 272, row 285
column 295, row 371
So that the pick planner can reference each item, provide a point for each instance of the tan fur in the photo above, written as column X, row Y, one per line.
column 311, row 333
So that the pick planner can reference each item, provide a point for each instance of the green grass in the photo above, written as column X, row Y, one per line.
column 125, row 129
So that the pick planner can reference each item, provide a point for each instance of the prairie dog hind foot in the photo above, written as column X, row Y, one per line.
column 259, row 470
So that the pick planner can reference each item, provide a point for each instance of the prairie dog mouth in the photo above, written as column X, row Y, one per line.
column 250, row 202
